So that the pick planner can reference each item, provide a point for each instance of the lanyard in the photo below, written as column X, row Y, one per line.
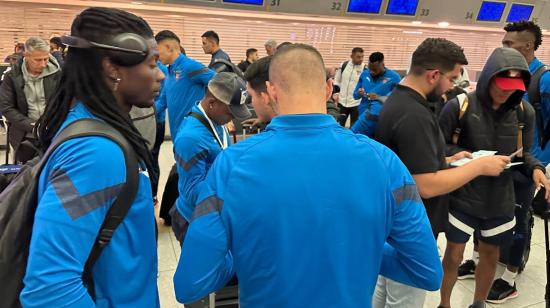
column 223, row 144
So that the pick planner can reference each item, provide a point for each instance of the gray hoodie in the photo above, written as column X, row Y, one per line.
column 34, row 88
column 483, row 128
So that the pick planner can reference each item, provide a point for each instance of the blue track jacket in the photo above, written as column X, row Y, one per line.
column 160, row 104
column 195, row 149
column 370, row 110
column 269, row 212
column 541, row 154
column 79, row 183
column 184, row 86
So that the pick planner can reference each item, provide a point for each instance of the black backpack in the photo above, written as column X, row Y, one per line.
column 222, row 65
column 345, row 64
column 18, row 203
column 535, row 99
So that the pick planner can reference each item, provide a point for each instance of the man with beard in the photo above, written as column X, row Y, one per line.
column 409, row 127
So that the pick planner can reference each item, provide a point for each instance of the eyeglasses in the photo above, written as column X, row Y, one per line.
column 449, row 78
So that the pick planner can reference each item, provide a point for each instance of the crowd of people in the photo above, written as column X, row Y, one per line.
column 422, row 157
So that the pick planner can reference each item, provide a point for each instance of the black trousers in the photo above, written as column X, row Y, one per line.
column 169, row 196
column 159, row 139
column 345, row 112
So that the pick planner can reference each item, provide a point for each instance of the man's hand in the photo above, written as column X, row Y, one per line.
column 491, row 165
column 457, row 156
column 361, row 92
column 253, row 123
column 336, row 98
column 540, row 180
column 372, row 96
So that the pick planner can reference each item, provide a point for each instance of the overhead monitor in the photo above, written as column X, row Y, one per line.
column 253, row 2
column 520, row 12
column 491, row 11
column 402, row 7
column 364, row 6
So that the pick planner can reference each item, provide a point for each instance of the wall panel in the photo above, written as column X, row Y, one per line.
column 334, row 40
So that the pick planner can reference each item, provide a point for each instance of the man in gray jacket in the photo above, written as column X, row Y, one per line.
column 27, row 88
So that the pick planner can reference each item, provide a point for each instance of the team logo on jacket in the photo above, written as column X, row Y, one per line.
column 177, row 74
column 385, row 80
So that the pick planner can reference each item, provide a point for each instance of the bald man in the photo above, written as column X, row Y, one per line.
column 269, row 214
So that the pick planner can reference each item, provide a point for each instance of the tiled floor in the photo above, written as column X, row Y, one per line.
column 531, row 283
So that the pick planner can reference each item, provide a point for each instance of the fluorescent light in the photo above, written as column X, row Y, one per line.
column 443, row 24
column 136, row 3
column 412, row 32
column 416, row 22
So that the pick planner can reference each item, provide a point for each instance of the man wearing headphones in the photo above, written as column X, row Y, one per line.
column 202, row 136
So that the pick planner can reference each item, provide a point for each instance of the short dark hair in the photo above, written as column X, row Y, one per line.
column 376, row 57
column 437, row 53
column 212, row 35
column 258, row 73
column 166, row 35
column 283, row 44
column 57, row 41
column 250, row 51
column 356, row 50
column 528, row 26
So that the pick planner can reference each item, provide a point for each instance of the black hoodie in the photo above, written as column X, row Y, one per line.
column 483, row 128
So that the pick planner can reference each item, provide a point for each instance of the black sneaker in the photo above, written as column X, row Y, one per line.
column 467, row 270
column 501, row 291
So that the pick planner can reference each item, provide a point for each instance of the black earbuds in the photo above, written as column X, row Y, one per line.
column 126, row 49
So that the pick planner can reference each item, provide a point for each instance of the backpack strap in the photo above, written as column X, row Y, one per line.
column 344, row 65
column 463, row 104
column 521, row 125
column 535, row 99
column 123, row 202
column 204, row 122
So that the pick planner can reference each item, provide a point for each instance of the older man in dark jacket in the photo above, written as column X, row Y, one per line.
column 492, row 118
column 27, row 88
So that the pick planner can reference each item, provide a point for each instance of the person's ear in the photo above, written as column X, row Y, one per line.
column 431, row 76
column 111, row 70
column 271, row 90
column 266, row 99
column 329, row 87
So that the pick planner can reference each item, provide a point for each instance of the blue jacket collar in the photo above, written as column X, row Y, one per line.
column 301, row 121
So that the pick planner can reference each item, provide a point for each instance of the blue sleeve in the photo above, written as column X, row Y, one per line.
column 358, row 86
column 545, row 94
column 79, row 184
column 206, row 263
column 161, row 105
column 410, row 253
column 543, row 154
column 200, row 74
column 190, row 154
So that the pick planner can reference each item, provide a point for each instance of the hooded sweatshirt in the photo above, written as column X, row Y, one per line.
column 483, row 128
column 34, row 88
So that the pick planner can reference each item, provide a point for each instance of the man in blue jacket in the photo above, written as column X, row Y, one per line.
column 373, row 88
column 202, row 136
column 83, row 177
column 268, row 213
column 186, row 80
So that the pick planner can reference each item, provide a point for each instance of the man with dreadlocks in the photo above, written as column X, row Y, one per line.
column 102, row 79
